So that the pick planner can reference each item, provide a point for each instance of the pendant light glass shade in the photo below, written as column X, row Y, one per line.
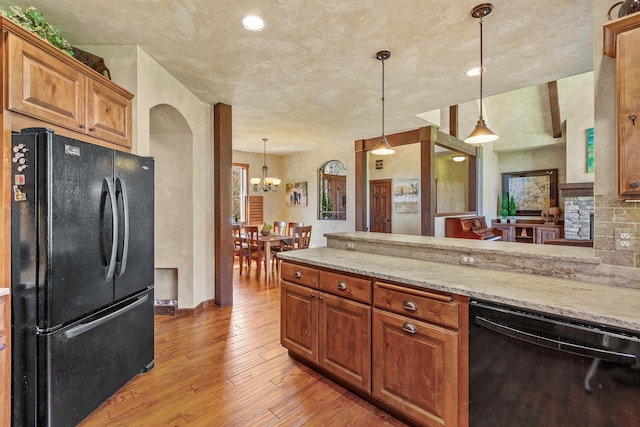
column 383, row 148
column 481, row 133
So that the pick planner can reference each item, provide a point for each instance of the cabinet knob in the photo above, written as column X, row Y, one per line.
column 3, row 346
column 82, row 126
column 342, row 285
column 634, row 184
column 92, row 129
column 410, row 305
column 633, row 119
column 297, row 274
column 313, row 295
column 409, row 327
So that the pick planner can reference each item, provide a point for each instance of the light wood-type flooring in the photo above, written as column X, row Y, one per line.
column 226, row 367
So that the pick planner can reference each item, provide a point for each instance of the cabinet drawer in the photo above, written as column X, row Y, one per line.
column 424, row 305
column 350, row 287
column 299, row 274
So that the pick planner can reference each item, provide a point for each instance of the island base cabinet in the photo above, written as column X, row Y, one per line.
column 299, row 321
column 328, row 331
column 345, row 340
column 416, row 368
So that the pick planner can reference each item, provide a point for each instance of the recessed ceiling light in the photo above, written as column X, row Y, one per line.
column 253, row 23
column 476, row 71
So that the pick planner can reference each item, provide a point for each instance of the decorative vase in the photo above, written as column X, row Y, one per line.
column 503, row 220
column 626, row 7
column 512, row 221
column 265, row 231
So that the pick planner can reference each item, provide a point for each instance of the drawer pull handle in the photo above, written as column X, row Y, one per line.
column 634, row 184
column 297, row 274
column 3, row 346
column 410, row 305
column 409, row 327
column 342, row 285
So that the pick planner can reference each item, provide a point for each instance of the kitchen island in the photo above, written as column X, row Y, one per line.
column 369, row 302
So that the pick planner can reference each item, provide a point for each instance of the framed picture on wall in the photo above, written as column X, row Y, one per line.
column 405, row 195
column 532, row 190
column 296, row 194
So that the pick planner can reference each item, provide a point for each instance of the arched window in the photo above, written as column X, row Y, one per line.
column 332, row 179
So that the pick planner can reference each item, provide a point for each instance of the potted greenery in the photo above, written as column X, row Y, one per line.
column 504, row 212
column 266, row 229
column 512, row 210
column 33, row 20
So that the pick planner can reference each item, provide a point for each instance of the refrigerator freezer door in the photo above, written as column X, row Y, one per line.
column 134, row 189
column 91, row 359
column 79, row 235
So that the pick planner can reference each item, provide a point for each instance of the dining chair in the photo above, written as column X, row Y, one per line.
column 240, row 248
column 301, row 238
column 291, row 225
column 254, row 248
column 279, row 227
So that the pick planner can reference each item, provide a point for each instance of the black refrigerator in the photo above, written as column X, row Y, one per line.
column 81, row 275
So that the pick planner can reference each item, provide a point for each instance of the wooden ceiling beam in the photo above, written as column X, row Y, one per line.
column 554, row 103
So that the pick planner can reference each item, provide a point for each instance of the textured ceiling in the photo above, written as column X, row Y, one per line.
column 311, row 76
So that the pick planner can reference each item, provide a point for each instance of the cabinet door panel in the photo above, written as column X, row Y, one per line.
column 298, row 325
column 416, row 373
column 108, row 114
column 345, row 340
column 44, row 87
column 628, row 82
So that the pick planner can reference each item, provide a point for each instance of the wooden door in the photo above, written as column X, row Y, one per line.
column 380, row 205
column 299, row 323
column 344, row 336
column 416, row 368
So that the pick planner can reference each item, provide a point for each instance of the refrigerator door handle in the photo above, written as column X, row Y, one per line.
column 107, row 182
column 121, row 187
column 86, row 327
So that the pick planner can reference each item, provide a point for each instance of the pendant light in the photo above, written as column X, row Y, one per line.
column 383, row 147
column 481, row 133
column 267, row 183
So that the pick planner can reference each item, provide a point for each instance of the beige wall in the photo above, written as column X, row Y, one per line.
column 137, row 72
column 403, row 164
column 302, row 167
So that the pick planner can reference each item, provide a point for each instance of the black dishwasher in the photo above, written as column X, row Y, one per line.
column 528, row 369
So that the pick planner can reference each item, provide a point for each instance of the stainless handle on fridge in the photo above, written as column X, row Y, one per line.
column 122, row 188
column 114, row 238
column 596, row 353
column 85, row 327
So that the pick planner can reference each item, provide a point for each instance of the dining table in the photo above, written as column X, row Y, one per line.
column 269, row 241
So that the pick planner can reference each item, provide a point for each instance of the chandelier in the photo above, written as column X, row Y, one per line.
column 266, row 183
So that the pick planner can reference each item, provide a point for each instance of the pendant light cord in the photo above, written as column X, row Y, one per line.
column 383, row 100
column 481, row 68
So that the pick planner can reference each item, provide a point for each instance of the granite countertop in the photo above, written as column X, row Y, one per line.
column 599, row 303
column 4, row 291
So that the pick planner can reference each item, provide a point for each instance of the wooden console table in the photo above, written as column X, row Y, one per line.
column 529, row 231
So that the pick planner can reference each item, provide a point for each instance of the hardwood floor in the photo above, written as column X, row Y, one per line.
column 226, row 367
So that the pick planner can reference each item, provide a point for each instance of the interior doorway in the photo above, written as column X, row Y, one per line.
column 380, row 205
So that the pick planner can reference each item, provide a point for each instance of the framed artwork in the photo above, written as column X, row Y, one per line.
column 406, row 195
column 590, row 151
column 296, row 194
column 532, row 190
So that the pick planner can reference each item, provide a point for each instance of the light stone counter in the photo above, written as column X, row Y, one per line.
column 600, row 303
column 565, row 262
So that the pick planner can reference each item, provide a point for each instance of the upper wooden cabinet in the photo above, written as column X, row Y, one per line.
column 622, row 41
column 49, row 86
